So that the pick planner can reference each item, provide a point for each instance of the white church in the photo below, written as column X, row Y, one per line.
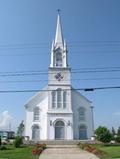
column 59, row 112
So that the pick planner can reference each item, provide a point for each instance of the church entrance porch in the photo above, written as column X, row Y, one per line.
column 59, row 130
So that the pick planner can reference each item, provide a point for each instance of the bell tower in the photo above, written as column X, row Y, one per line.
column 59, row 48
column 59, row 72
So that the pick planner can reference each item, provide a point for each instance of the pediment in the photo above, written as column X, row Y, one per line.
column 37, row 98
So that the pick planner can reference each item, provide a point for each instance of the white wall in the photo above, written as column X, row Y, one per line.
column 43, row 105
column 79, row 101
column 47, row 114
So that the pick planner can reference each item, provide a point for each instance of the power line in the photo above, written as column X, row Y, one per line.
column 81, row 79
column 74, row 69
column 71, row 44
column 46, row 73
column 79, row 89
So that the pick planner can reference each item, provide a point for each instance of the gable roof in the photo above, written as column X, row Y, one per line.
column 73, row 89
column 38, row 97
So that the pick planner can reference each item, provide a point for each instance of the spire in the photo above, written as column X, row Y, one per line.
column 59, row 48
column 58, row 36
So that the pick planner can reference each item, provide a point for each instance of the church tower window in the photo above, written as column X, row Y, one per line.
column 64, row 99
column 36, row 114
column 59, row 98
column 58, row 59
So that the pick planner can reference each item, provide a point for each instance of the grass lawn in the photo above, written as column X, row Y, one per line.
column 113, row 150
column 17, row 153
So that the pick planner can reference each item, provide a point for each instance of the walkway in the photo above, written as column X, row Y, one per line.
column 66, row 152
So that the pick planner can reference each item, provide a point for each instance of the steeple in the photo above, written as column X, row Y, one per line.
column 58, row 35
column 59, row 48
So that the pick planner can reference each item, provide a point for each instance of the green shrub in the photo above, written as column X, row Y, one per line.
column 3, row 148
column 106, row 137
column 117, row 139
column 18, row 141
column 103, row 134
column 0, row 141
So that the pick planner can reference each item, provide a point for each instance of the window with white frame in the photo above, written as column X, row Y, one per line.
column 36, row 115
column 53, row 99
column 81, row 114
column 59, row 98
column 64, row 99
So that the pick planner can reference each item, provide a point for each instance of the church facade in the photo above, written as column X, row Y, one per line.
column 59, row 112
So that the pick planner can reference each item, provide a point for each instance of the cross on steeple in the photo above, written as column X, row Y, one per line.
column 58, row 11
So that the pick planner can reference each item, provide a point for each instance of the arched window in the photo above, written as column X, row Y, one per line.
column 58, row 59
column 59, row 98
column 35, row 132
column 36, row 114
column 81, row 114
column 82, row 132
column 64, row 99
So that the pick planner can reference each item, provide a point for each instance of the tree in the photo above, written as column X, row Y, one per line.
column 20, row 130
column 118, row 132
column 103, row 134
column 113, row 133
column 0, row 141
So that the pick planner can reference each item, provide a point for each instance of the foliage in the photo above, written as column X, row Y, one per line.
column 0, row 141
column 3, row 148
column 118, row 132
column 113, row 133
column 38, row 149
column 105, row 137
column 20, row 130
column 117, row 139
column 103, row 134
column 18, row 141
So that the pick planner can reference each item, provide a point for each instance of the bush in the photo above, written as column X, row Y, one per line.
column 117, row 139
column 3, row 148
column 38, row 149
column 106, row 137
column 18, row 141
column 103, row 134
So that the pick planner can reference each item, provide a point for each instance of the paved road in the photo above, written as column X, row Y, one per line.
column 66, row 152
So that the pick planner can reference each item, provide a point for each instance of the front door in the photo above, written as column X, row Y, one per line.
column 59, row 130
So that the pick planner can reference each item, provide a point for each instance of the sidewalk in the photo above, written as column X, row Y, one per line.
column 65, row 152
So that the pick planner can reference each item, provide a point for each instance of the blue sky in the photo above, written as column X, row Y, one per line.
column 92, row 31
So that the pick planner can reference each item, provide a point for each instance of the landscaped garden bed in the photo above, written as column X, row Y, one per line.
column 103, row 151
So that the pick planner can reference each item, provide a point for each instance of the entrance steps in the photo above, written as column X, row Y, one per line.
column 61, row 142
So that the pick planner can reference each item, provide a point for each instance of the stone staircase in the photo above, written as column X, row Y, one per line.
column 59, row 142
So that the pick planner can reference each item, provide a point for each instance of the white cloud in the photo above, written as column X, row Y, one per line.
column 116, row 114
column 5, row 120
